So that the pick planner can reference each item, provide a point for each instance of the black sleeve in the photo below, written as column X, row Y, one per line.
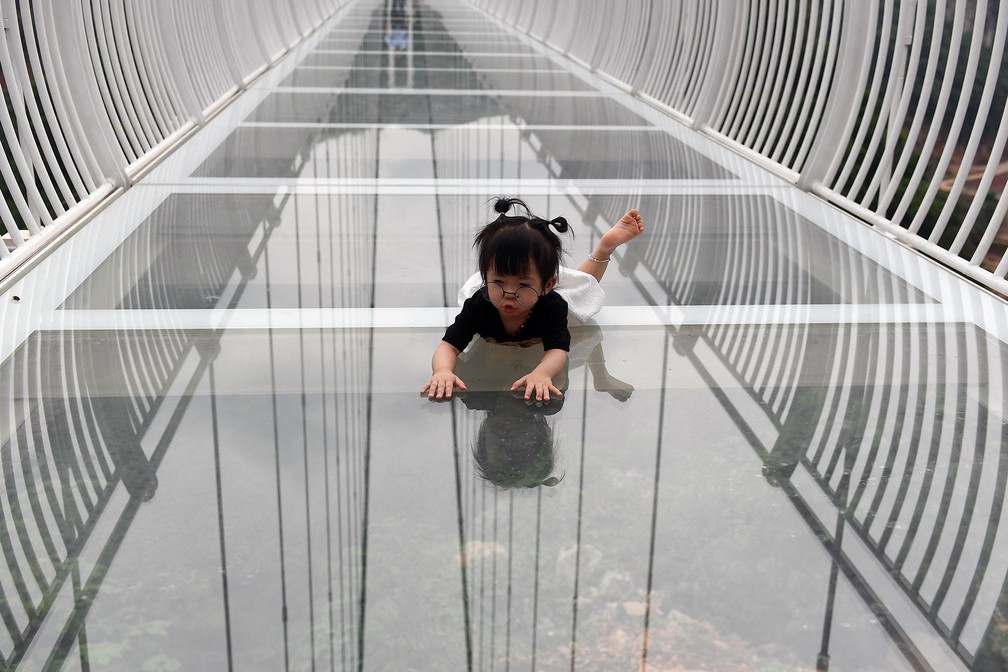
column 555, row 334
column 465, row 326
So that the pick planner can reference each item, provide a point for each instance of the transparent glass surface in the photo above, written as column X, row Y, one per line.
column 433, row 78
column 360, row 152
column 396, row 108
column 781, row 443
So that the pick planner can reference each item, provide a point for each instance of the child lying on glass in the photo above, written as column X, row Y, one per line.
column 519, row 299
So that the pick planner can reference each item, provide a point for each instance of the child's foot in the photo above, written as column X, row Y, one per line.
column 626, row 229
column 616, row 388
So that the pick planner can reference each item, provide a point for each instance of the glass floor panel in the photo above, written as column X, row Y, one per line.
column 673, row 497
column 581, row 109
column 439, row 59
column 782, row 443
column 385, row 78
column 423, row 41
column 334, row 152
column 340, row 251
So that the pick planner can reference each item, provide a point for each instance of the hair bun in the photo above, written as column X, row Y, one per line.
column 560, row 224
column 502, row 205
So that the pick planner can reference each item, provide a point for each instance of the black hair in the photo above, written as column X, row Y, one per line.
column 510, row 244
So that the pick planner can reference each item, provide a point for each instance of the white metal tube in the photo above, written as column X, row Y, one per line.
column 869, row 89
column 958, row 120
column 875, row 112
column 767, row 77
column 36, row 60
column 813, row 104
column 97, row 89
column 940, row 109
column 21, row 146
column 147, row 64
column 39, row 144
column 784, row 81
column 966, row 161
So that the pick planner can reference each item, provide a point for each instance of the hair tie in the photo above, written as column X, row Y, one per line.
column 502, row 205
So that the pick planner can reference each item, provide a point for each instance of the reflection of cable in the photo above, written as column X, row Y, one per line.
column 507, row 647
column 580, row 509
column 325, row 425
column 369, row 406
column 464, row 561
column 220, row 513
column 276, row 458
column 654, row 504
column 304, row 441
column 493, row 586
column 535, row 581
column 823, row 658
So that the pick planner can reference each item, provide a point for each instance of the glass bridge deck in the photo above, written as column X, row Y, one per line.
column 782, row 441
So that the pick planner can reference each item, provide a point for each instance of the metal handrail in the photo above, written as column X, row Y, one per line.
column 94, row 93
column 856, row 102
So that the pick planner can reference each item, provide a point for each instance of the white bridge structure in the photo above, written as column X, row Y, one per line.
column 894, row 111
column 233, row 231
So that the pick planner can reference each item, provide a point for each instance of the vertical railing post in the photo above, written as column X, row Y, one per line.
column 842, row 103
column 712, row 87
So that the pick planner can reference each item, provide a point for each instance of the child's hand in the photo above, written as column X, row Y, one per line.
column 537, row 385
column 441, row 384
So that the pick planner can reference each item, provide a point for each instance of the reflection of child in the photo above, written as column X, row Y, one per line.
column 514, row 444
column 519, row 262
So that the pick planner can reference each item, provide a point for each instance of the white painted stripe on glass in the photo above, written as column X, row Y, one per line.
column 419, row 185
column 476, row 126
column 528, row 71
column 391, row 186
column 423, row 318
column 456, row 93
column 479, row 54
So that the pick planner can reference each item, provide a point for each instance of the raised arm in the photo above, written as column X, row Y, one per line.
column 626, row 229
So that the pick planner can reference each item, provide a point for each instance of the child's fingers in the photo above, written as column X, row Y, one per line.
column 442, row 389
column 551, row 389
column 436, row 390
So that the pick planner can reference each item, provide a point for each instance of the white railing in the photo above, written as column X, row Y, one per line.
column 892, row 109
column 94, row 92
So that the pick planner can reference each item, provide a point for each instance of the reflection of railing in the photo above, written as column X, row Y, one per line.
column 855, row 103
column 94, row 95
column 898, row 424
column 92, row 409
column 925, row 459
column 82, row 414
column 83, row 411
column 906, row 414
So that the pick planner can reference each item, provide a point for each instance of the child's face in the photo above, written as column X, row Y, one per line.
column 509, row 305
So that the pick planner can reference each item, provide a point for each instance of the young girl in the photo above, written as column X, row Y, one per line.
column 519, row 263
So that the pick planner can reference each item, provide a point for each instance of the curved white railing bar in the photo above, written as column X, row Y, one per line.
column 892, row 109
column 94, row 92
